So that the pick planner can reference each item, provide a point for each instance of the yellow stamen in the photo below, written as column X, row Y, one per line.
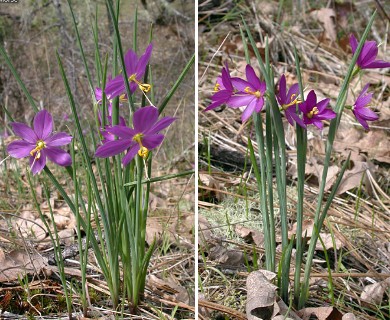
column 295, row 101
column 145, row 87
column 122, row 98
column 257, row 93
column 312, row 113
column 216, row 87
column 37, row 150
column 143, row 151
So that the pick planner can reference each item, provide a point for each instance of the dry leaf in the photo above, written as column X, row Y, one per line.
column 322, row 313
column 261, row 299
column 373, row 293
column 327, row 18
column 348, row 316
column 17, row 263
column 208, row 181
column 169, row 287
column 222, row 255
column 250, row 235
column 328, row 242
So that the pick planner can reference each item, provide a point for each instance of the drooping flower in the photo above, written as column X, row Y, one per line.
column 223, row 89
column 144, row 136
column 315, row 113
column 288, row 101
column 366, row 59
column 361, row 110
column 40, row 143
column 250, row 94
column 135, row 69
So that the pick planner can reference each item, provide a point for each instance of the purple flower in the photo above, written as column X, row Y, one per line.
column 360, row 109
column 315, row 113
column 40, row 142
column 366, row 59
column 223, row 89
column 140, row 139
column 106, row 131
column 135, row 69
column 288, row 101
column 250, row 94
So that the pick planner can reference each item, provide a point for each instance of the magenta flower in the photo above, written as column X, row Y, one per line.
column 250, row 94
column 223, row 89
column 315, row 113
column 106, row 131
column 135, row 69
column 366, row 59
column 141, row 139
column 288, row 101
column 360, row 109
column 40, row 142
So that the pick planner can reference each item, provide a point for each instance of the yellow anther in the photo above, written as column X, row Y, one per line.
column 257, row 93
column 122, row 98
column 37, row 150
column 145, row 87
column 216, row 87
column 295, row 101
column 312, row 113
column 143, row 152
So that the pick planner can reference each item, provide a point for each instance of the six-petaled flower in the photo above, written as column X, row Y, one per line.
column 361, row 110
column 144, row 136
column 250, row 94
column 315, row 113
column 40, row 143
column 288, row 101
column 135, row 69
column 366, row 59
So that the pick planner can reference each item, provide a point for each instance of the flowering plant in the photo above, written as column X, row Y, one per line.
column 108, row 190
column 301, row 112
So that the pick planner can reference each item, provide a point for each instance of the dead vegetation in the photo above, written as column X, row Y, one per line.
column 356, row 231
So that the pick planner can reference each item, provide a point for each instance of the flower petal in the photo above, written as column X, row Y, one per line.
column 362, row 101
column 366, row 114
column 321, row 105
column 248, row 111
column 259, row 104
column 38, row 164
column 59, row 156
column 58, row 139
column 131, row 60
column 240, row 84
column 353, row 42
column 293, row 92
column 152, row 141
column 20, row 149
column 112, row 148
column 160, row 125
column 240, row 100
column 143, row 61
column 226, row 80
column 122, row 132
column 115, row 87
column 368, row 54
column 380, row 64
column 252, row 77
column 362, row 121
column 24, row 131
column 144, row 118
column 43, row 124
column 130, row 154
column 282, row 90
